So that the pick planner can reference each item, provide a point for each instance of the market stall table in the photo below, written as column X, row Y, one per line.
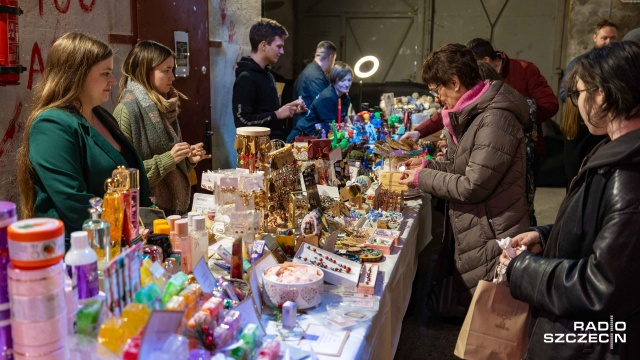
column 377, row 338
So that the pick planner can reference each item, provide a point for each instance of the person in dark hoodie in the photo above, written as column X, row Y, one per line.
column 590, row 256
column 255, row 97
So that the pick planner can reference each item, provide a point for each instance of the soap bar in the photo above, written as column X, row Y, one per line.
column 88, row 318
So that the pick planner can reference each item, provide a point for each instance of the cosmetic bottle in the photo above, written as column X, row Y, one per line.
column 199, row 240
column 82, row 266
column 114, row 214
column 134, row 190
column 171, row 220
column 190, row 216
column 121, row 178
column 183, row 242
column 98, row 232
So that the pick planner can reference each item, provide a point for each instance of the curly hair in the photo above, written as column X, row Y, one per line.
column 441, row 65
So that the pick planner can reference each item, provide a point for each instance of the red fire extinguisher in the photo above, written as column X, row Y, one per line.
column 10, row 67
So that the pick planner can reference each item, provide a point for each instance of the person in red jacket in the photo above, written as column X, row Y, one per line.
column 522, row 75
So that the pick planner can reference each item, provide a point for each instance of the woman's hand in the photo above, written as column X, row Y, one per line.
column 180, row 151
column 504, row 258
column 411, row 163
column 198, row 153
column 408, row 176
column 413, row 135
column 530, row 239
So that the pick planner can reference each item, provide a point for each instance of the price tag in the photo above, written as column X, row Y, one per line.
column 160, row 326
column 239, row 229
column 204, row 202
column 204, row 276
column 207, row 181
column 156, row 269
column 252, row 184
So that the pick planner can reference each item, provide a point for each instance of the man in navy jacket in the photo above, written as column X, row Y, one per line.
column 313, row 79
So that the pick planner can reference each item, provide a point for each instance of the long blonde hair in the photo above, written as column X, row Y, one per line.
column 138, row 66
column 69, row 61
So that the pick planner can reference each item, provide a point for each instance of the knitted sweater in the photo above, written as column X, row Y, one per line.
column 153, row 139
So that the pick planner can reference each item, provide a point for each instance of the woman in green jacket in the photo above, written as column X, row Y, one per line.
column 147, row 114
column 71, row 144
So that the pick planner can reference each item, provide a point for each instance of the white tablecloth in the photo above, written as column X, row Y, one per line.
column 378, row 338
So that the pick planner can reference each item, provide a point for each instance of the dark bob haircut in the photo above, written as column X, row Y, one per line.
column 614, row 69
column 441, row 65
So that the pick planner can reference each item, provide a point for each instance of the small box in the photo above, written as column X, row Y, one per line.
column 328, row 262
column 289, row 312
column 368, row 278
column 382, row 243
column 388, row 233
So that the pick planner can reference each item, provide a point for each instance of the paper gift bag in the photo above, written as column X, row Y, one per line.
column 495, row 326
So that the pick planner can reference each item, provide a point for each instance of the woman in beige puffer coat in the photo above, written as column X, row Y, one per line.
column 483, row 180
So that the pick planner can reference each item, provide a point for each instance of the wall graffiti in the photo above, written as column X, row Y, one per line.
column 232, row 31
column 12, row 129
column 62, row 6
column 51, row 12
column 223, row 11
column 36, row 56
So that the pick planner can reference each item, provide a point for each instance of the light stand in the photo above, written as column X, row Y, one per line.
column 360, row 95
column 364, row 75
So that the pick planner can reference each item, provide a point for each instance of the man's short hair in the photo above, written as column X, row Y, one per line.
column 482, row 48
column 325, row 49
column 603, row 24
column 265, row 30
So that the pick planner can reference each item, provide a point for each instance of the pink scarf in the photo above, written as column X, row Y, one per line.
column 470, row 96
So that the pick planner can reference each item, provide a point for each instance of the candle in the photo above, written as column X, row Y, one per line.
column 339, row 111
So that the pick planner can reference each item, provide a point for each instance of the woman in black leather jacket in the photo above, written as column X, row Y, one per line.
column 586, row 279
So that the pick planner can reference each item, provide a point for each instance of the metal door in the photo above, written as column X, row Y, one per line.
column 157, row 20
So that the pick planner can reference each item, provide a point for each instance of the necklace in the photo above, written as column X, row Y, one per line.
column 325, row 263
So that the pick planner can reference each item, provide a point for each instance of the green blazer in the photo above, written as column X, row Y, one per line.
column 72, row 160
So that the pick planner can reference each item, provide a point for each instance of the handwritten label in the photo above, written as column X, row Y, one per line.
column 330, row 242
column 254, row 282
column 249, row 314
column 161, row 325
column 204, row 276
column 204, row 202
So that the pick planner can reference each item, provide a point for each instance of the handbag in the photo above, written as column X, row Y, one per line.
column 496, row 325
column 443, row 298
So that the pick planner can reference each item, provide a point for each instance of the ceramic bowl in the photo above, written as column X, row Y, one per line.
column 306, row 293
